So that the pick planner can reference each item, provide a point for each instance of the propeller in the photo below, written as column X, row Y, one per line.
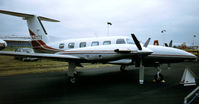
column 147, row 42
column 139, row 58
column 170, row 44
column 166, row 45
column 137, row 43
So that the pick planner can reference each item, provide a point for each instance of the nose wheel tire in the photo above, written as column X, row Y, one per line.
column 159, row 78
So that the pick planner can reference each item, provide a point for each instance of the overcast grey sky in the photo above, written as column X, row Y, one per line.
column 86, row 18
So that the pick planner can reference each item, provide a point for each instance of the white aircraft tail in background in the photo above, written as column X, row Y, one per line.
column 36, row 30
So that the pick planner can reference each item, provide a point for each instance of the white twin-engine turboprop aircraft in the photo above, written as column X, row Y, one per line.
column 123, row 51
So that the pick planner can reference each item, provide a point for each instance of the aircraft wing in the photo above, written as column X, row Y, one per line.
column 40, row 55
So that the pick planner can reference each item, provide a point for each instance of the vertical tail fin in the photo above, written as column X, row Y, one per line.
column 36, row 29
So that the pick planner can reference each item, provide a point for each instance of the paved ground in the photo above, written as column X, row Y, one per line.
column 96, row 86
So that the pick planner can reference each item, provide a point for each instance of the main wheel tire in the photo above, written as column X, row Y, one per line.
column 72, row 80
column 122, row 68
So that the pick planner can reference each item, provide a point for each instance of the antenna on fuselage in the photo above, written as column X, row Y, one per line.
column 163, row 36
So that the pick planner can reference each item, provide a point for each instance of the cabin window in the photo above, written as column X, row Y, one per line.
column 95, row 43
column 129, row 41
column 61, row 45
column 120, row 41
column 82, row 44
column 71, row 45
column 107, row 42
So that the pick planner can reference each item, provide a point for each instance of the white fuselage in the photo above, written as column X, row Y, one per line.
column 103, row 48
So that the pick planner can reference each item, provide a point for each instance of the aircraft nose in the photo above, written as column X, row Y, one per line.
column 194, row 57
column 191, row 56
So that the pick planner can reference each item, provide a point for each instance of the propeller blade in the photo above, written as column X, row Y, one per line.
column 166, row 45
column 137, row 43
column 147, row 42
column 171, row 43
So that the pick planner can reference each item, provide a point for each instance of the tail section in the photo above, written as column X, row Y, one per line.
column 36, row 30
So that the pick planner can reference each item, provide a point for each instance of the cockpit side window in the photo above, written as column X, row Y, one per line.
column 129, row 41
column 120, row 41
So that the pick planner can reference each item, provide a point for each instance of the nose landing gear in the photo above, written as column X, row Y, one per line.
column 72, row 73
column 158, row 77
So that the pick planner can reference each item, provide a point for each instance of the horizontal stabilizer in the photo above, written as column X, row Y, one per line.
column 16, row 14
column 24, row 15
column 48, row 19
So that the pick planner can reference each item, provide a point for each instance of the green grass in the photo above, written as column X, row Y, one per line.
column 10, row 66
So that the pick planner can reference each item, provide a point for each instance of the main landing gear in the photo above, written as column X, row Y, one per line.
column 72, row 73
column 141, row 70
column 122, row 68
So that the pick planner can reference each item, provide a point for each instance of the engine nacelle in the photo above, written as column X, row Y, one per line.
column 3, row 44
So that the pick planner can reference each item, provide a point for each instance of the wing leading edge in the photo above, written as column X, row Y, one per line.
column 40, row 55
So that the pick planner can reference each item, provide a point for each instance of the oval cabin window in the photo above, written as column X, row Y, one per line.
column 61, row 45
column 107, row 42
column 95, row 43
column 82, row 44
column 71, row 45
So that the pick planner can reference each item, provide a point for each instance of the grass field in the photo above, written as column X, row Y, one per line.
column 10, row 66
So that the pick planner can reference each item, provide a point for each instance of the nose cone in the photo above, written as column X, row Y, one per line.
column 190, row 56
column 193, row 57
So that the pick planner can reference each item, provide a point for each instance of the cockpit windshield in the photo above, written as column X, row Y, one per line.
column 129, row 41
